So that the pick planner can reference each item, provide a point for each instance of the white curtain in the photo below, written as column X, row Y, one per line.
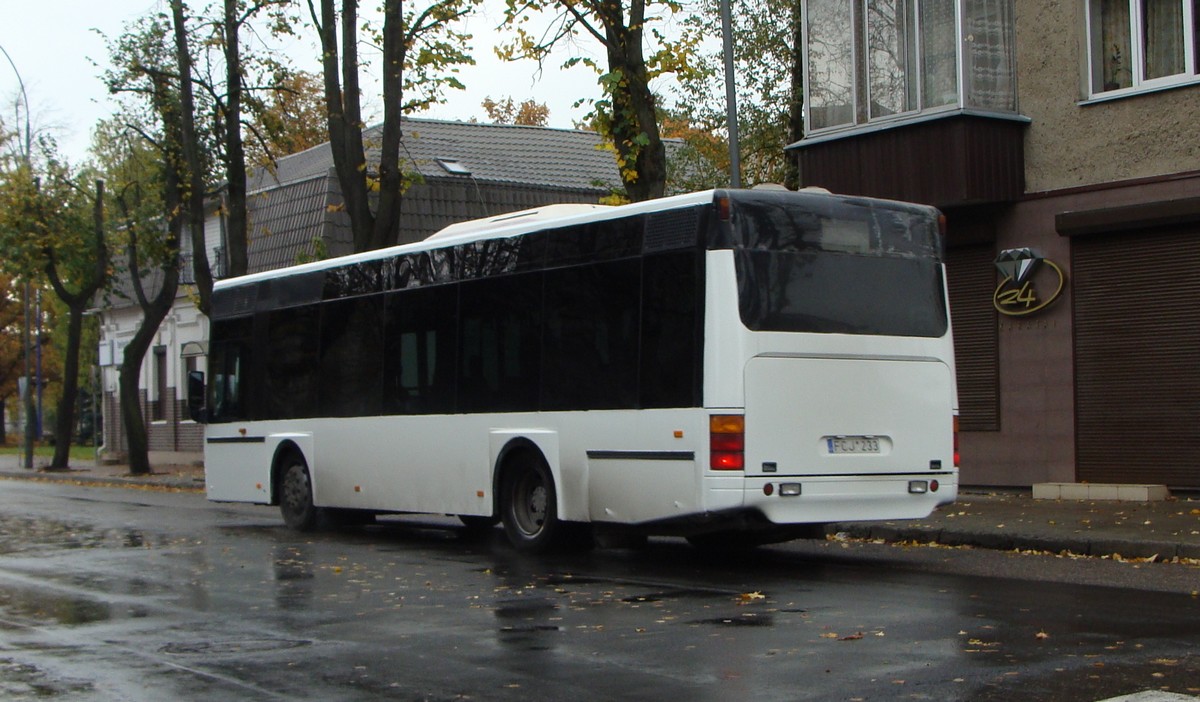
column 990, row 54
column 1164, row 37
column 939, row 54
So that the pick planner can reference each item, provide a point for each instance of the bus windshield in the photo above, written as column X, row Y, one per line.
column 815, row 263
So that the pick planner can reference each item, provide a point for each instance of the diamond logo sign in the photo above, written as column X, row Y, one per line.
column 1018, row 293
column 1017, row 264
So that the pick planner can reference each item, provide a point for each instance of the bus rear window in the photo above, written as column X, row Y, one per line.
column 827, row 264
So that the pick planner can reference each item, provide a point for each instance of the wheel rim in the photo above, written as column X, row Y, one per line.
column 530, row 503
column 296, row 490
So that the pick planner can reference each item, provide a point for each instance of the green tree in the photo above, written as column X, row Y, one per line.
column 629, row 111
column 769, row 72
column 11, row 348
column 235, row 103
column 287, row 119
column 143, row 152
column 45, row 232
column 529, row 113
column 420, row 48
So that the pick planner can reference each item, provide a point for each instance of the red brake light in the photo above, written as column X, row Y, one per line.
column 727, row 442
column 955, row 441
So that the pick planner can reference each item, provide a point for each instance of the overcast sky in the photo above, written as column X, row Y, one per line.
column 55, row 47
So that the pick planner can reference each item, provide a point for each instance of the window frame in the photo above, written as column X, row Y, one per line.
column 916, row 39
column 910, row 41
column 1139, row 84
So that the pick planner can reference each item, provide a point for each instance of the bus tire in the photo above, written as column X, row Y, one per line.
column 296, row 497
column 528, row 504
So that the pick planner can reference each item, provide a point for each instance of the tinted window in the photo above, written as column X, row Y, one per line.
column 351, row 357
column 590, row 352
column 826, row 264
column 671, row 314
column 362, row 278
column 595, row 241
column 499, row 342
column 419, row 351
column 291, row 362
column 228, row 373
column 841, row 293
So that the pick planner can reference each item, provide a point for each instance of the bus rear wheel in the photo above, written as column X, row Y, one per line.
column 529, row 507
column 296, row 497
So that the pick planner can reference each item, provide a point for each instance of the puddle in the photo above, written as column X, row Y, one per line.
column 19, row 681
column 217, row 648
column 529, row 628
column 525, row 608
column 743, row 620
column 667, row 595
column 44, row 606
column 21, row 535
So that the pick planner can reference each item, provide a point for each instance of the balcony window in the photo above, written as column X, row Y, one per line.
column 876, row 60
column 1139, row 45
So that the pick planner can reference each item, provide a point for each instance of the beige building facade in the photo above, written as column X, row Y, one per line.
column 1068, row 165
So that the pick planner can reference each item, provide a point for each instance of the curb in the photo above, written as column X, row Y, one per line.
column 1098, row 547
column 84, row 478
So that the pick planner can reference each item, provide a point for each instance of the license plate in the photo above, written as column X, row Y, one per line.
column 852, row 444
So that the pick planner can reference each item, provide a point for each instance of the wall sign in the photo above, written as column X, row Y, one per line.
column 1030, row 282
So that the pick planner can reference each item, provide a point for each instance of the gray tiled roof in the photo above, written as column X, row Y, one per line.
column 556, row 158
column 512, row 168
column 285, row 222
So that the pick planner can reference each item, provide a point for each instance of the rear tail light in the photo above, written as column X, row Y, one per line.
column 727, row 442
column 956, row 441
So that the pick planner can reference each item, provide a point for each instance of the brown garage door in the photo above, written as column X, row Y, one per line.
column 971, row 280
column 1137, row 357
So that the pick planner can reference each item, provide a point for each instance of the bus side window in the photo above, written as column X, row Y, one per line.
column 224, row 396
column 418, row 351
column 671, row 350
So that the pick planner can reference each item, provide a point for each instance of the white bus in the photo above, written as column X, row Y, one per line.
column 732, row 366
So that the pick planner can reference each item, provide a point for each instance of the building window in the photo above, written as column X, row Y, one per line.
column 1139, row 45
column 874, row 60
column 158, row 407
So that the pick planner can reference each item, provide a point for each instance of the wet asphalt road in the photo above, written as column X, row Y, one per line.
column 112, row 594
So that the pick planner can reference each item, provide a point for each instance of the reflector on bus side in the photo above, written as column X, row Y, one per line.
column 724, row 210
column 727, row 441
column 956, row 441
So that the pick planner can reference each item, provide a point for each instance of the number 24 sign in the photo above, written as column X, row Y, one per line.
column 1019, row 299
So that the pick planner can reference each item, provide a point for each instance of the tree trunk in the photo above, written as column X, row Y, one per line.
column 64, row 422
column 131, row 367
column 235, row 151
column 634, row 123
column 379, row 227
column 189, row 150
column 76, row 303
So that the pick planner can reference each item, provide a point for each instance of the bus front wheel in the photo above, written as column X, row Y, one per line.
column 296, row 497
column 529, row 506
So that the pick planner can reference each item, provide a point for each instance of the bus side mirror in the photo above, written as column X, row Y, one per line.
column 195, row 396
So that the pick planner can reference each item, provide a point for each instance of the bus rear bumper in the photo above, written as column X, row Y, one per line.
column 825, row 499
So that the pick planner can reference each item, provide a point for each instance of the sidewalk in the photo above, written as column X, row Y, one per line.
column 1013, row 520
column 1000, row 519
column 173, row 477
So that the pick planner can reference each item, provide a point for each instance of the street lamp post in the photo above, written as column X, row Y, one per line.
column 26, row 397
column 735, row 165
